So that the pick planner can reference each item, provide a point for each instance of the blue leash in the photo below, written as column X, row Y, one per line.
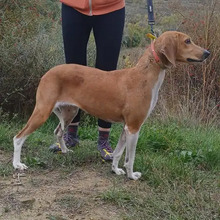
column 151, row 20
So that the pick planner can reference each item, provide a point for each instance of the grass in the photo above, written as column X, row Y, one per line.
column 70, row 202
column 180, row 166
column 177, row 151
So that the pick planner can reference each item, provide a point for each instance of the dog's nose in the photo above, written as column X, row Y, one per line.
column 205, row 54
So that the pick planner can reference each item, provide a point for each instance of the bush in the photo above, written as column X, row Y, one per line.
column 30, row 44
column 135, row 35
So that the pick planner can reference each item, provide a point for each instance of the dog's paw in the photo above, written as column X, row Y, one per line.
column 135, row 176
column 20, row 166
column 65, row 151
column 118, row 171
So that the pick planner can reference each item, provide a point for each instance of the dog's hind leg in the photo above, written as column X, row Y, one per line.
column 38, row 117
column 18, row 142
column 65, row 113
column 118, row 152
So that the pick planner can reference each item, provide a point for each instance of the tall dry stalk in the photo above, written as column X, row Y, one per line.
column 193, row 91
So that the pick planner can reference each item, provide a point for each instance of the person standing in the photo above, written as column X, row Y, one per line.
column 106, row 19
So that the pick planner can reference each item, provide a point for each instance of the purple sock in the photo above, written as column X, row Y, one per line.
column 72, row 130
column 103, row 135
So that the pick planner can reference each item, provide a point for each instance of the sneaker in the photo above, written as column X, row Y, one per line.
column 70, row 141
column 105, row 150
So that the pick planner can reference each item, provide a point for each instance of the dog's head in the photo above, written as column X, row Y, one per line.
column 174, row 46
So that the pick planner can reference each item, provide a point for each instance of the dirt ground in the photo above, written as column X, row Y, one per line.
column 56, row 195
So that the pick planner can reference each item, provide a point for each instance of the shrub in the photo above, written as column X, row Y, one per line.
column 134, row 35
column 30, row 44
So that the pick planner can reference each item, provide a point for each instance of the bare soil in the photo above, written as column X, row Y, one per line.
column 57, row 195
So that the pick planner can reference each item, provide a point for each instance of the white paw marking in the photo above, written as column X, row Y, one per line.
column 118, row 171
column 135, row 176
column 65, row 151
column 20, row 166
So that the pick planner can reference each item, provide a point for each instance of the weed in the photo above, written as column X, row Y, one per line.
column 56, row 217
column 119, row 196
column 70, row 202
column 6, row 169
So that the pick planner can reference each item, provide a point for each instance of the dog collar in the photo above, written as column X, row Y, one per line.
column 154, row 53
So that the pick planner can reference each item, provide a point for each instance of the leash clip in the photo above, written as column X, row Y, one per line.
column 151, row 36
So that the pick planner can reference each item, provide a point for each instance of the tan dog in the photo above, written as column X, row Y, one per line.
column 126, row 96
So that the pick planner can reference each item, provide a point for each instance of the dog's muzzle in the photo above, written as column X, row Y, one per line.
column 206, row 53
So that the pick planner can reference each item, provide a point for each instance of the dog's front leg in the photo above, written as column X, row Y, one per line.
column 131, row 142
column 117, row 154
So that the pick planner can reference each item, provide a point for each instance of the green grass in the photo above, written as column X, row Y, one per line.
column 70, row 202
column 180, row 165
column 177, row 152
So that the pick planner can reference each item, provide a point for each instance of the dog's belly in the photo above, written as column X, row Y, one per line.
column 110, row 113
column 155, row 91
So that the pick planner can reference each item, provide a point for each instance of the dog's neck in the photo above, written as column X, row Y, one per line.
column 148, row 62
column 153, row 58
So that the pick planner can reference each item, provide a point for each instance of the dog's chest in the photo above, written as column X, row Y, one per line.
column 155, row 91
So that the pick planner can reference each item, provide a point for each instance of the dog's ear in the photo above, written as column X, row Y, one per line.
column 169, row 50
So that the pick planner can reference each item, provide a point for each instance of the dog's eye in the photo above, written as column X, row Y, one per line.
column 187, row 41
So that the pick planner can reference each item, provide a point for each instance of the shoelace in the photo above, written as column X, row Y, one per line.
column 105, row 145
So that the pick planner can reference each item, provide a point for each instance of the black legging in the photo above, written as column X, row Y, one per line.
column 107, row 29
